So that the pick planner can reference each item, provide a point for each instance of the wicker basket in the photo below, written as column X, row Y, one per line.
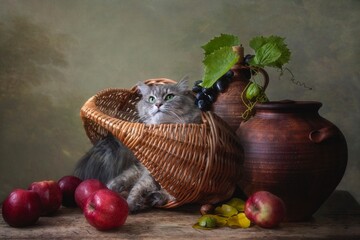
column 193, row 162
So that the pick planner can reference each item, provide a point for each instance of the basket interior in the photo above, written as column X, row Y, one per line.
column 119, row 104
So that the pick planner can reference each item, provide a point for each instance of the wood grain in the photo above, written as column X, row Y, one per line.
column 339, row 218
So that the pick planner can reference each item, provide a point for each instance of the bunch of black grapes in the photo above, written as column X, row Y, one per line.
column 206, row 96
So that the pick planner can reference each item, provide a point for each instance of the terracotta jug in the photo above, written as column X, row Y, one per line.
column 229, row 105
column 293, row 152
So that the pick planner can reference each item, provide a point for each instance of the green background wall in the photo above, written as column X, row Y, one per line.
column 54, row 55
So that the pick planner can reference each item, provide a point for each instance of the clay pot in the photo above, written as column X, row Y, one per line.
column 291, row 151
column 230, row 105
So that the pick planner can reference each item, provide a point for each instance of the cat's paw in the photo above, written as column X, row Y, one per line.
column 135, row 206
column 157, row 199
column 115, row 186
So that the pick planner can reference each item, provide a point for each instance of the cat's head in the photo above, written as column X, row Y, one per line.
column 167, row 103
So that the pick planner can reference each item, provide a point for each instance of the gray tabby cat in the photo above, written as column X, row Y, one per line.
column 114, row 164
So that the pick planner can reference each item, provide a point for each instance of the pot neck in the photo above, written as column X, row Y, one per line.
column 288, row 106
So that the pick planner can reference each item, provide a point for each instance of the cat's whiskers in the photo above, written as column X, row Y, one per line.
column 142, row 119
column 173, row 113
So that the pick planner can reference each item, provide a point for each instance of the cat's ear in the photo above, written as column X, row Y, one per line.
column 143, row 88
column 183, row 84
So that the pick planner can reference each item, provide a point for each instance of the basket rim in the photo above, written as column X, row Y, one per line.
column 89, row 108
column 90, row 103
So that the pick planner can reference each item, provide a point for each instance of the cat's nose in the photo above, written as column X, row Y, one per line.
column 158, row 104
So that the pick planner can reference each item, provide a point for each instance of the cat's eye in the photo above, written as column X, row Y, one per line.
column 151, row 99
column 169, row 96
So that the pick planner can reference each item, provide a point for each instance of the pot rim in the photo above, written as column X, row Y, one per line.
column 288, row 105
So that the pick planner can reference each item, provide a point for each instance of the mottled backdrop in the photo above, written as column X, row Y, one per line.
column 54, row 55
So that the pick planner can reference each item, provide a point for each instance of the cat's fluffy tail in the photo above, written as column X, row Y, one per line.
column 105, row 160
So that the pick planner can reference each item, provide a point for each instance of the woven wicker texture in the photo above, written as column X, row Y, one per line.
column 193, row 162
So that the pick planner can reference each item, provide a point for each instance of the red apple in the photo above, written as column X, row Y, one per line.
column 21, row 208
column 106, row 210
column 68, row 185
column 265, row 209
column 85, row 189
column 50, row 195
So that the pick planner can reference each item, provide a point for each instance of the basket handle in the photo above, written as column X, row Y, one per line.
column 156, row 81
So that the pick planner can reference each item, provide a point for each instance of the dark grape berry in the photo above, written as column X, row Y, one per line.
column 247, row 59
column 211, row 97
column 203, row 100
column 210, row 94
column 203, row 105
column 220, row 86
column 198, row 82
column 229, row 75
column 200, row 95
column 196, row 101
column 196, row 88
column 222, row 83
column 206, row 96
column 208, row 91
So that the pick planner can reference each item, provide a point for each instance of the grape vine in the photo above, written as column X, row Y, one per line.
column 293, row 79
column 219, row 58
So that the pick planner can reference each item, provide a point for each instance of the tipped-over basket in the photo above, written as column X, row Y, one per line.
column 196, row 163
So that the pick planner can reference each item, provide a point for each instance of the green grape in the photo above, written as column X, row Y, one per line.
column 226, row 210
column 207, row 221
column 253, row 91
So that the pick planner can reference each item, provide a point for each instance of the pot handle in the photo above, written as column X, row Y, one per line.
column 323, row 134
column 258, row 70
column 266, row 77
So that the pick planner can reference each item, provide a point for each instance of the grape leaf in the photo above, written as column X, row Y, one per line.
column 217, row 64
column 224, row 40
column 257, row 42
column 267, row 54
column 267, row 50
column 285, row 57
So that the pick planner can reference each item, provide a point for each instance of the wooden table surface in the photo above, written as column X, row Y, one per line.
column 338, row 218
